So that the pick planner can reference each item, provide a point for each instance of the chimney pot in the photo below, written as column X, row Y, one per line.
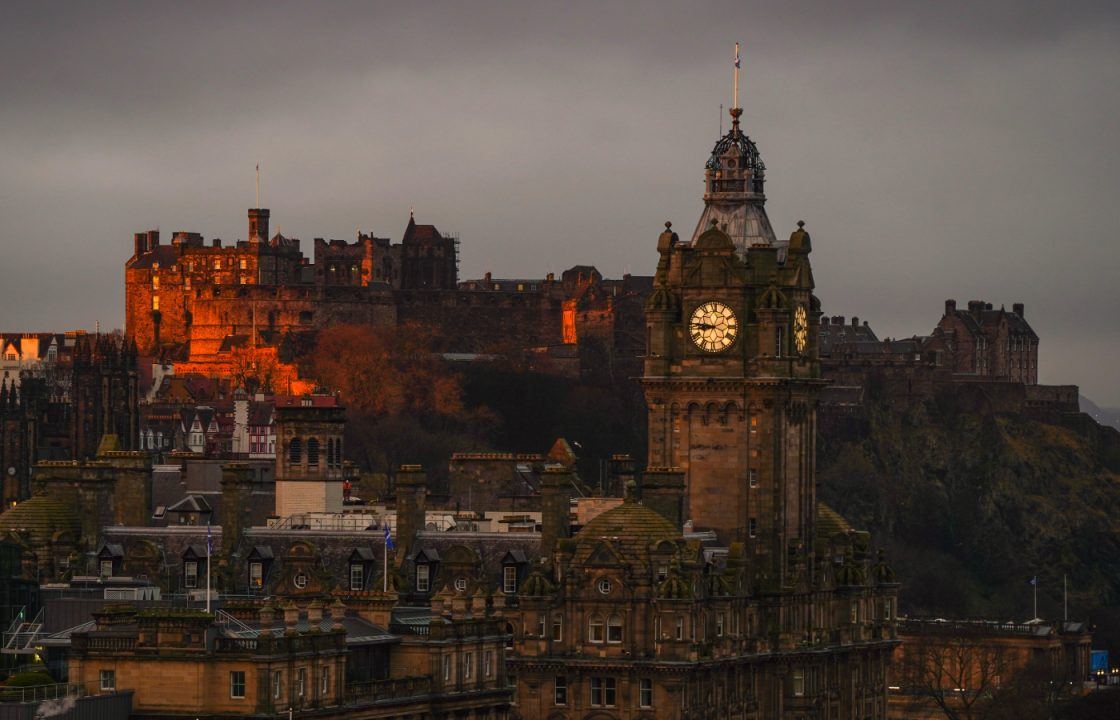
column 855, row 321
column 1018, row 309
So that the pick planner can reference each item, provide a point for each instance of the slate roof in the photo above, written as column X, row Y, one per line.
column 631, row 528
column 41, row 515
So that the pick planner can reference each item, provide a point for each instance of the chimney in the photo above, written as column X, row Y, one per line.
column 824, row 320
column 975, row 307
column 412, row 490
column 950, row 307
column 663, row 491
column 1018, row 308
column 855, row 321
column 291, row 617
column 139, row 243
column 258, row 225
column 216, row 242
column 556, row 507
column 266, row 615
column 486, row 278
column 338, row 612
column 837, row 319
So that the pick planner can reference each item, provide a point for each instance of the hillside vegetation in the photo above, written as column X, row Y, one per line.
column 972, row 503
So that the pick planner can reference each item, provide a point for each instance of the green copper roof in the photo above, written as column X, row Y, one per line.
column 40, row 516
column 630, row 529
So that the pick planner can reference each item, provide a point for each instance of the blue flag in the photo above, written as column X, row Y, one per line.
column 209, row 541
column 1034, row 580
column 389, row 540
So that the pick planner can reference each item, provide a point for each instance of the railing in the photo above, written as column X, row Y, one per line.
column 21, row 634
column 53, row 691
column 395, row 689
column 407, row 628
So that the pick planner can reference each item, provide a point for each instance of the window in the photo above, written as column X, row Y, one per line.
column 798, row 678
column 468, row 665
column 190, row 574
column 662, row 572
column 602, row 692
column 560, row 690
column 854, row 612
column 242, row 264
column 645, row 693
column 155, row 302
column 357, row 577
column 657, row 628
column 243, row 280
column 155, row 282
column 509, row 636
column 752, row 476
column 488, row 663
column 605, row 587
column 540, row 626
column 595, row 629
column 752, row 527
column 237, row 684
column 106, row 568
column 680, row 628
column 446, row 668
column 421, row 578
column 313, row 451
column 887, row 608
column 295, row 451
column 301, row 679
column 218, row 264
column 108, row 680
column 325, row 682
column 778, row 341
column 509, row 579
column 277, row 684
column 557, row 627
column 461, row 584
column 719, row 624
column 300, row 580
column 614, row 629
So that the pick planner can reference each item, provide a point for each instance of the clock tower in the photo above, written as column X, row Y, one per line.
column 732, row 373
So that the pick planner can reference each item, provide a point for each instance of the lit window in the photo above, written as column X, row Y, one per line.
column 798, row 683
column 155, row 302
column 218, row 264
column 108, row 680
column 645, row 693
column 560, row 690
column 256, row 575
column 242, row 264
column 614, row 629
column 237, row 684
column 509, row 579
column 595, row 629
column 155, row 282
column 422, row 578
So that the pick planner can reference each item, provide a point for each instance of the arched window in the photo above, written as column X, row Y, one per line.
column 614, row 629
column 295, row 451
column 330, row 452
column 595, row 629
column 313, row 451
column 338, row 452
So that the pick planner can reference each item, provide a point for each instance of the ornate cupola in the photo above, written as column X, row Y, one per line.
column 734, row 177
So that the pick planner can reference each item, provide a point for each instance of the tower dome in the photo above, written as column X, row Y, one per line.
column 734, row 177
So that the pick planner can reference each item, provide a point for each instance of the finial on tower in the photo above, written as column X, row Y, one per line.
column 735, row 94
column 258, row 185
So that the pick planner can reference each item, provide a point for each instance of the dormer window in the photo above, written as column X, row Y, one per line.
column 423, row 579
column 509, row 579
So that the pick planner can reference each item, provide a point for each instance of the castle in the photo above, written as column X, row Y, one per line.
column 200, row 305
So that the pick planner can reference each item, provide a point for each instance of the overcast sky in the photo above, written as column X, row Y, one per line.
column 934, row 150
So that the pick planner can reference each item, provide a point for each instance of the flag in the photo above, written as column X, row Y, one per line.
column 1034, row 580
column 209, row 541
column 737, row 55
column 388, row 540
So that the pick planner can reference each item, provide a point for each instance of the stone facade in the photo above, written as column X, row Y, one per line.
column 308, row 455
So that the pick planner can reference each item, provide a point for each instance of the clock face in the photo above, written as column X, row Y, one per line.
column 713, row 327
column 800, row 329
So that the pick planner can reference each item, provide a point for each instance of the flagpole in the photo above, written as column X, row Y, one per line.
column 1065, row 598
column 385, row 566
column 208, row 543
column 1035, row 586
column 259, row 186
column 735, row 97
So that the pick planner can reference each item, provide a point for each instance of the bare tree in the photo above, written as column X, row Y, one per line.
column 956, row 674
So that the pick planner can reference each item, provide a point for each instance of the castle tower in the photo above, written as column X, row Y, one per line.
column 258, row 225
column 731, row 373
column 308, row 455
